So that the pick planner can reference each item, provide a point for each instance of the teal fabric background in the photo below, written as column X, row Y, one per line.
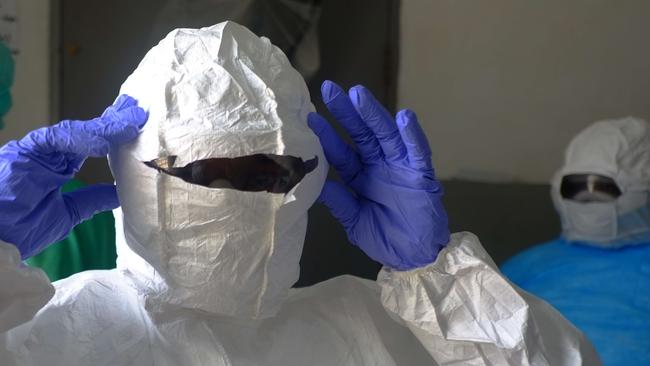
column 6, row 80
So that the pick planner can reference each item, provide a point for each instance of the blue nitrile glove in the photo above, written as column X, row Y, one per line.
column 390, row 204
column 33, row 211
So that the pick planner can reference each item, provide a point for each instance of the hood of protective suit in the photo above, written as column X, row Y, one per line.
column 618, row 149
column 216, row 92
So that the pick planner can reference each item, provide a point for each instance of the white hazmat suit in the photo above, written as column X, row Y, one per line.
column 618, row 149
column 204, row 274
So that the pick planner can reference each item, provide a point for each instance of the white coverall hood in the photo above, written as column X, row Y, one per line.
column 214, row 92
column 618, row 149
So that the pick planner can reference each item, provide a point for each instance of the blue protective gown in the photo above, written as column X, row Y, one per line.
column 603, row 292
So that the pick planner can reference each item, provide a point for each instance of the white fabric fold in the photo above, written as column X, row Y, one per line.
column 23, row 290
column 466, row 312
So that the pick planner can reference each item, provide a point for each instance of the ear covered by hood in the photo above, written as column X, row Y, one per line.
column 216, row 92
column 618, row 149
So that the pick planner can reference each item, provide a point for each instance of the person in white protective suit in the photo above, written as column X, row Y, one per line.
column 208, row 250
column 596, row 273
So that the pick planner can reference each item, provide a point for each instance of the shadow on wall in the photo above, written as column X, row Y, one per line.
column 507, row 217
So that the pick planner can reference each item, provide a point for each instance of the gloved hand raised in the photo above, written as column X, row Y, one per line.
column 390, row 204
column 33, row 211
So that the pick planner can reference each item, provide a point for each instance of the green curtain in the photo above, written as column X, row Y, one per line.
column 6, row 80
column 90, row 245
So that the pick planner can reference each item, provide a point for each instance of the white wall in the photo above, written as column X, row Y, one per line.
column 31, row 90
column 502, row 85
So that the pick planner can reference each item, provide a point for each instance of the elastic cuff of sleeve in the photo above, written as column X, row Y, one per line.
column 458, row 297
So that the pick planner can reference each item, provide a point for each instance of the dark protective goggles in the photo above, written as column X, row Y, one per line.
column 252, row 173
column 580, row 187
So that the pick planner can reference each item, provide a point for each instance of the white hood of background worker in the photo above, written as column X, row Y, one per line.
column 620, row 150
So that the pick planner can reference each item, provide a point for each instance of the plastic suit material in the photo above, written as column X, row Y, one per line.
column 618, row 149
column 204, row 274
column 292, row 24
column 393, row 209
column 604, row 292
column 33, row 211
